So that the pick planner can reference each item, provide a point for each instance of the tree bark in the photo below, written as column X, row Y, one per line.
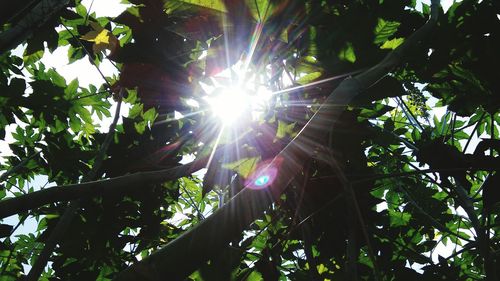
column 35, row 18
column 118, row 185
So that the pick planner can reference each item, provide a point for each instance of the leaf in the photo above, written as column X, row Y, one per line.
column 150, row 115
column 347, row 53
column 135, row 110
column 243, row 167
column 260, row 10
column 384, row 30
column 284, row 129
column 217, row 5
column 392, row 44
column 103, row 39
column 254, row 276
column 72, row 88
column 399, row 218
column 308, row 78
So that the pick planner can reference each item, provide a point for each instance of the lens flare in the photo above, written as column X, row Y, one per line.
column 264, row 175
column 262, row 180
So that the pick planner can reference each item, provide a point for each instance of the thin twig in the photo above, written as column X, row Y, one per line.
column 14, row 169
column 436, row 223
column 192, row 203
column 473, row 132
column 88, row 54
column 409, row 114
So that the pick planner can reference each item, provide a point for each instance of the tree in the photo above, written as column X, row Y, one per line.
column 348, row 173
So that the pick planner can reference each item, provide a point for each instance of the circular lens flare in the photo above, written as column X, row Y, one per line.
column 262, row 180
column 264, row 175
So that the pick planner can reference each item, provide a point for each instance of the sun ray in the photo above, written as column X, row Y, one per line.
column 190, row 114
column 291, row 89
column 217, row 140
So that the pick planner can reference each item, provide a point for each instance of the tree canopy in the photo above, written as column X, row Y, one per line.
column 263, row 140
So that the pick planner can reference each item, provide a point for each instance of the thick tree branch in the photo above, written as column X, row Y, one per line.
column 185, row 254
column 118, row 185
column 35, row 18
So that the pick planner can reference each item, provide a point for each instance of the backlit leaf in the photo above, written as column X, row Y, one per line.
column 384, row 30
column 243, row 166
column 392, row 44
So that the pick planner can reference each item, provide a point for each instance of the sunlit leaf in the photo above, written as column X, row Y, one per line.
column 384, row 30
column 103, row 39
column 308, row 78
column 347, row 53
column 392, row 44
column 243, row 167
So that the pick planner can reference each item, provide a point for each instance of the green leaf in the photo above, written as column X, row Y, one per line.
column 75, row 123
column 243, row 167
column 255, row 276
column 217, row 5
column 284, row 129
column 347, row 53
column 308, row 78
column 384, row 30
column 140, row 127
column 258, row 9
column 72, row 88
column 399, row 218
column 135, row 110
column 392, row 44
column 32, row 58
column 150, row 115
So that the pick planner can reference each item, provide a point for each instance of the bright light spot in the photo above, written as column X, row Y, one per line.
column 229, row 104
column 178, row 115
column 265, row 174
column 262, row 180
column 237, row 93
column 192, row 103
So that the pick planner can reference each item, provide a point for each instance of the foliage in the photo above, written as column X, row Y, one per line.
column 392, row 182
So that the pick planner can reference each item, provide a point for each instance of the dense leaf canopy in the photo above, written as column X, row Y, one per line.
column 373, row 156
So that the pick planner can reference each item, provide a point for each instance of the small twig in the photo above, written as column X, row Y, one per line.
column 473, row 132
column 453, row 129
column 20, row 165
column 88, row 12
column 409, row 114
column 11, row 252
column 192, row 203
column 89, row 55
column 436, row 223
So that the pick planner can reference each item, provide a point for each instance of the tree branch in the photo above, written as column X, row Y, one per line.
column 66, row 219
column 35, row 18
column 118, row 185
column 186, row 253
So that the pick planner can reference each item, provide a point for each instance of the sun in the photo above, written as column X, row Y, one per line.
column 232, row 100
column 229, row 104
